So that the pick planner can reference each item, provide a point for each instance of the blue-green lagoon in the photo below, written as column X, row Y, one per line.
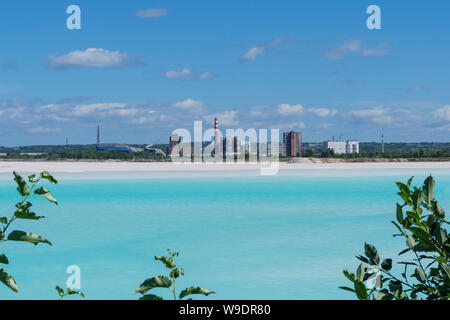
column 244, row 236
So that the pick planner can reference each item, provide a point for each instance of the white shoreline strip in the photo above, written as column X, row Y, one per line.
column 114, row 166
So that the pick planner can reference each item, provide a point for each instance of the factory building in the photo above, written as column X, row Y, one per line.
column 342, row 147
column 177, row 148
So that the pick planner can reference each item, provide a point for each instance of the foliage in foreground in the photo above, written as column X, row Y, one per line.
column 168, row 282
column 421, row 221
column 23, row 211
column 69, row 292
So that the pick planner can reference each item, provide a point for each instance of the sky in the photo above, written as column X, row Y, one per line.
column 141, row 69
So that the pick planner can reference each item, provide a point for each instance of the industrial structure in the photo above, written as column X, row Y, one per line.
column 342, row 147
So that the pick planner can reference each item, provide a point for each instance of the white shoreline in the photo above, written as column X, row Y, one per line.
column 124, row 167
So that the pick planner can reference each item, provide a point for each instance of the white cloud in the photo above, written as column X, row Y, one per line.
column 83, row 110
column 378, row 115
column 354, row 46
column 322, row 112
column 179, row 74
column 253, row 53
column 258, row 50
column 350, row 46
column 442, row 113
column 91, row 57
column 189, row 104
column 152, row 13
column 124, row 112
column 286, row 109
column 44, row 130
column 381, row 50
column 226, row 118
column 205, row 76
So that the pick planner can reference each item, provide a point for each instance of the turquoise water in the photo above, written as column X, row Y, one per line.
column 245, row 237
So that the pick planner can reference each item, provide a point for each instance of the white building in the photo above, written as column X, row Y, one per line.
column 342, row 147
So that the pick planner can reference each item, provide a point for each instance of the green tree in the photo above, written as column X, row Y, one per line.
column 168, row 282
column 421, row 222
column 23, row 211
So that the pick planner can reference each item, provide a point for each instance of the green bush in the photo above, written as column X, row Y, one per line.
column 421, row 222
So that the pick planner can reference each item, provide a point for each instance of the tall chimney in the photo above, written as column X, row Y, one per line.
column 216, row 137
column 98, row 136
column 382, row 143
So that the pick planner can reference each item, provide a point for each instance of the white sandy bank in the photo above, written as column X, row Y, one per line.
column 136, row 167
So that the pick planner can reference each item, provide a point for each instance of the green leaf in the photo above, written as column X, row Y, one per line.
column 417, row 198
column 347, row 289
column 405, row 192
column 361, row 290
column 399, row 214
column 27, row 237
column 8, row 280
column 195, row 290
column 410, row 242
column 3, row 220
column 46, row 194
column 23, row 188
column 420, row 275
column 350, row 276
column 47, row 176
column 155, row 282
column 175, row 273
column 386, row 265
column 363, row 259
column 150, row 297
column 371, row 253
column 446, row 268
column 3, row 259
column 23, row 212
column 71, row 292
column 437, row 210
column 428, row 188
column 60, row 292
column 360, row 273
column 168, row 262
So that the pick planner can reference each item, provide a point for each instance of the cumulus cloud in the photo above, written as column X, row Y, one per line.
column 189, row 104
column 152, row 13
column 178, row 74
column 378, row 115
column 323, row 112
column 226, row 118
column 287, row 109
column 91, row 58
column 83, row 110
column 442, row 113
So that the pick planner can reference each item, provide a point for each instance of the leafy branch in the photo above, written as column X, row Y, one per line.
column 421, row 221
column 23, row 211
column 69, row 292
column 168, row 282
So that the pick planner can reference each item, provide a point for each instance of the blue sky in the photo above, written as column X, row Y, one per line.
column 141, row 69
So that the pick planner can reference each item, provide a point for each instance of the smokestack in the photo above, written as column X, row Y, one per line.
column 382, row 143
column 216, row 137
column 98, row 136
